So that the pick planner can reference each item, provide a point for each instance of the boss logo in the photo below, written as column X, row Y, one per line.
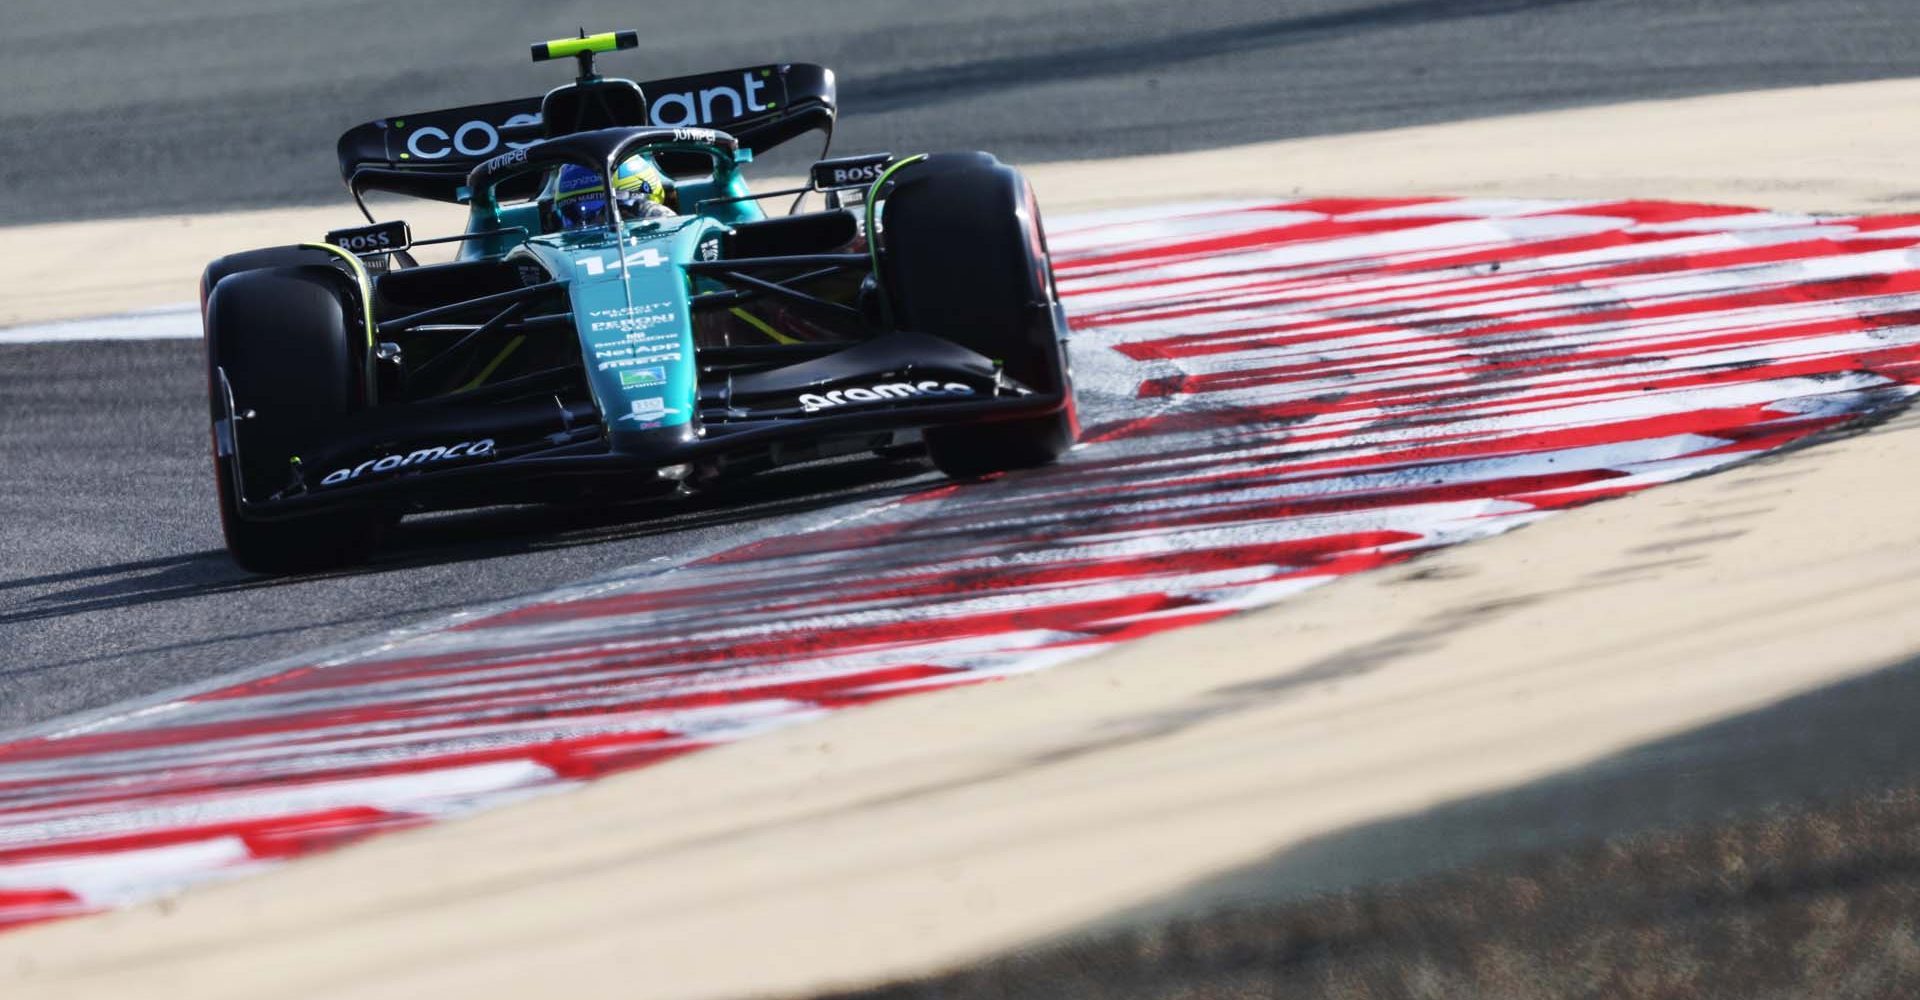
column 385, row 237
column 851, row 171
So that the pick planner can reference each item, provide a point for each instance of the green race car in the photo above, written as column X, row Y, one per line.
column 622, row 317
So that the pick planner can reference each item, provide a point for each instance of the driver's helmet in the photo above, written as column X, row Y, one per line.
column 580, row 194
column 638, row 183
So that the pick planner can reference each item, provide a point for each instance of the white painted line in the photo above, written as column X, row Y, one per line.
column 175, row 322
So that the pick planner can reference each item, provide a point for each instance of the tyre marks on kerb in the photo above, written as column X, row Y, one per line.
column 1308, row 389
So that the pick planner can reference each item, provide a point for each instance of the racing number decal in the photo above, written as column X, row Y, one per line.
column 597, row 265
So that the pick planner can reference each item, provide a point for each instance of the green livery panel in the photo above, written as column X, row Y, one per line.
column 630, row 302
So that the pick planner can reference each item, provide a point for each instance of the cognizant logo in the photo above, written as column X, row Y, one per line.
column 675, row 109
column 697, row 107
column 475, row 138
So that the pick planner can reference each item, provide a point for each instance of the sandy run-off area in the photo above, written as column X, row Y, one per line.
column 925, row 831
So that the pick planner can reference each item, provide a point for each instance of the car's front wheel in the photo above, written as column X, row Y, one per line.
column 278, row 339
column 964, row 257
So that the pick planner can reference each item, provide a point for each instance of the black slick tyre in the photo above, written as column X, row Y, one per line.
column 963, row 256
column 284, row 340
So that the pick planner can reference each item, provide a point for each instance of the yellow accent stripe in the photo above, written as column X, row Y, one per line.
column 366, row 303
column 761, row 325
column 873, row 204
column 366, row 284
column 512, row 346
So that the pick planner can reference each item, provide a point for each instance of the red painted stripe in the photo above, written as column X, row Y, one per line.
column 20, row 907
column 269, row 833
column 1484, row 372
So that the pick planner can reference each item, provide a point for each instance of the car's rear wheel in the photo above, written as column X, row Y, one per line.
column 282, row 337
column 964, row 257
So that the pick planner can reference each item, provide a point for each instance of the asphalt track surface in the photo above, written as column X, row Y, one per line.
column 114, row 109
column 113, row 583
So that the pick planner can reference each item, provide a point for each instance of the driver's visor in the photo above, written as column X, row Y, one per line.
column 579, row 211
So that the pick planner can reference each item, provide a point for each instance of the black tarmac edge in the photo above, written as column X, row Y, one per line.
column 115, row 109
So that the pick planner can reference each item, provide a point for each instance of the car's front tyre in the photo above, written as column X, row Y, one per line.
column 283, row 341
column 964, row 257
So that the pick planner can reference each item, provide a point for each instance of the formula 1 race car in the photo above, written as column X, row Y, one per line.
column 647, row 332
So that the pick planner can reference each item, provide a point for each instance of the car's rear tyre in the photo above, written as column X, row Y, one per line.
column 964, row 257
column 284, row 339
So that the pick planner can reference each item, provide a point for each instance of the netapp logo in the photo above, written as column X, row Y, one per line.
column 475, row 449
column 679, row 109
column 814, row 402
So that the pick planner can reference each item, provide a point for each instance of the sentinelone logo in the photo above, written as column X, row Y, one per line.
column 678, row 109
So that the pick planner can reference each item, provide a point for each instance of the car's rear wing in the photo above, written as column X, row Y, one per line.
column 428, row 155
